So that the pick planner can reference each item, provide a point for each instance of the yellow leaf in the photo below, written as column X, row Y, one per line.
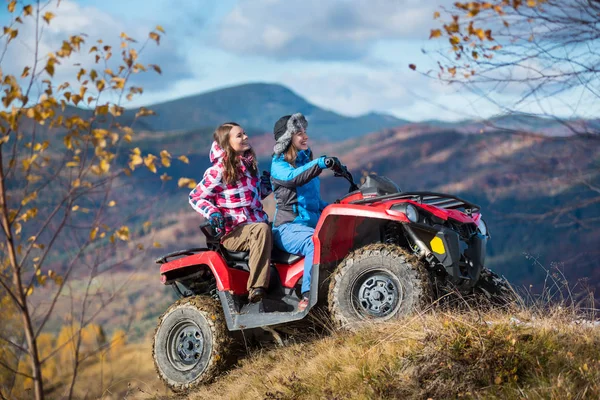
column 104, row 166
column 29, row 291
column 93, row 233
column 155, row 36
column 436, row 15
column 111, row 203
column 100, row 84
column 135, row 159
column 116, row 110
column 147, row 224
column 11, row 6
column 123, row 233
column 435, row 33
column 29, row 214
column 80, row 73
column 72, row 164
column 144, row 112
column 156, row 244
column 119, row 83
column 160, row 29
column 28, row 9
column 30, row 197
column 48, row 17
column 156, row 68
column 164, row 177
column 102, row 110
column 183, row 159
column 114, row 137
column 18, row 228
column 190, row 183
column 25, row 73
column 480, row 33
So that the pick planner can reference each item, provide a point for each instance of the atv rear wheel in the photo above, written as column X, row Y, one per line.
column 494, row 289
column 190, row 343
column 376, row 283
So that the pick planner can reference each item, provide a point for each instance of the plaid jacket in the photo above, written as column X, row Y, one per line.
column 238, row 203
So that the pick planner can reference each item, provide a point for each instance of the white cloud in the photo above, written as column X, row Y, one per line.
column 316, row 29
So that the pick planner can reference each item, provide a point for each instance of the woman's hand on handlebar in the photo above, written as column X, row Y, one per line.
column 334, row 164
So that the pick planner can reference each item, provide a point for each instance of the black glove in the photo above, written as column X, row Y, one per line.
column 217, row 222
column 334, row 164
column 265, row 179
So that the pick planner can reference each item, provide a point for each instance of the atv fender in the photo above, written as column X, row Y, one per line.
column 336, row 233
column 226, row 278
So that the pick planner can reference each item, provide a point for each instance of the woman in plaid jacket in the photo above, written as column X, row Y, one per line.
column 229, row 198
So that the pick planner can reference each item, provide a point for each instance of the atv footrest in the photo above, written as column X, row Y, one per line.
column 271, row 310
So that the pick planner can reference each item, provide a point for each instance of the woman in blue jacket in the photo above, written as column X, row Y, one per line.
column 294, row 175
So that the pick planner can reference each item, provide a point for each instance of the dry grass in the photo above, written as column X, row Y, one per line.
column 437, row 355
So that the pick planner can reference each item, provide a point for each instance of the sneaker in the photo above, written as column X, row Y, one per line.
column 256, row 295
column 303, row 304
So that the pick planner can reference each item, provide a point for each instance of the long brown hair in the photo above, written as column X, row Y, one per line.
column 231, row 161
column 291, row 153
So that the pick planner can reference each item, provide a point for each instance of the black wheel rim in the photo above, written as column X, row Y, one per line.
column 185, row 345
column 376, row 294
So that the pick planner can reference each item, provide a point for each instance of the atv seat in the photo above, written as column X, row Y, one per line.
column 235, row 255
column 281, row 257
column 277, row 256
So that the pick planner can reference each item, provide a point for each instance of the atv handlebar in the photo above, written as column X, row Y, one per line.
column 342, row 171
column 329, row 162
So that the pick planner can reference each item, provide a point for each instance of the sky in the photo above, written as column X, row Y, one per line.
column 349, row 56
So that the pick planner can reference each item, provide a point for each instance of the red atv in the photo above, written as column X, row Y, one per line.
column 385, row 254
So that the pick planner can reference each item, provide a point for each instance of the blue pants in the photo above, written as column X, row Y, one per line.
column 297, row 239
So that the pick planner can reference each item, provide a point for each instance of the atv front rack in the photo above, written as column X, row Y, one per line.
column 430, row 198
column 188, row 252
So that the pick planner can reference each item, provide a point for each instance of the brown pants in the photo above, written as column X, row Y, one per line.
column 255, row 238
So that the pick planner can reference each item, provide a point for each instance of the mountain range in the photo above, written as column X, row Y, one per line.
column 258, row 106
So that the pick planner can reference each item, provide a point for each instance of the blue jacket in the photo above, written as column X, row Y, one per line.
column 297, row 197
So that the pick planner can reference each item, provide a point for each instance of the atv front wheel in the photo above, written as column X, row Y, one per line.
column 376, row 283
column 190, row 343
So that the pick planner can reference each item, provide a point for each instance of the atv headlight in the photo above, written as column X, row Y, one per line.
column 408, row 209
column 482, row 227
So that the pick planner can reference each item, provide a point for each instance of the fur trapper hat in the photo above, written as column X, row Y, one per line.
column 285, row 128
